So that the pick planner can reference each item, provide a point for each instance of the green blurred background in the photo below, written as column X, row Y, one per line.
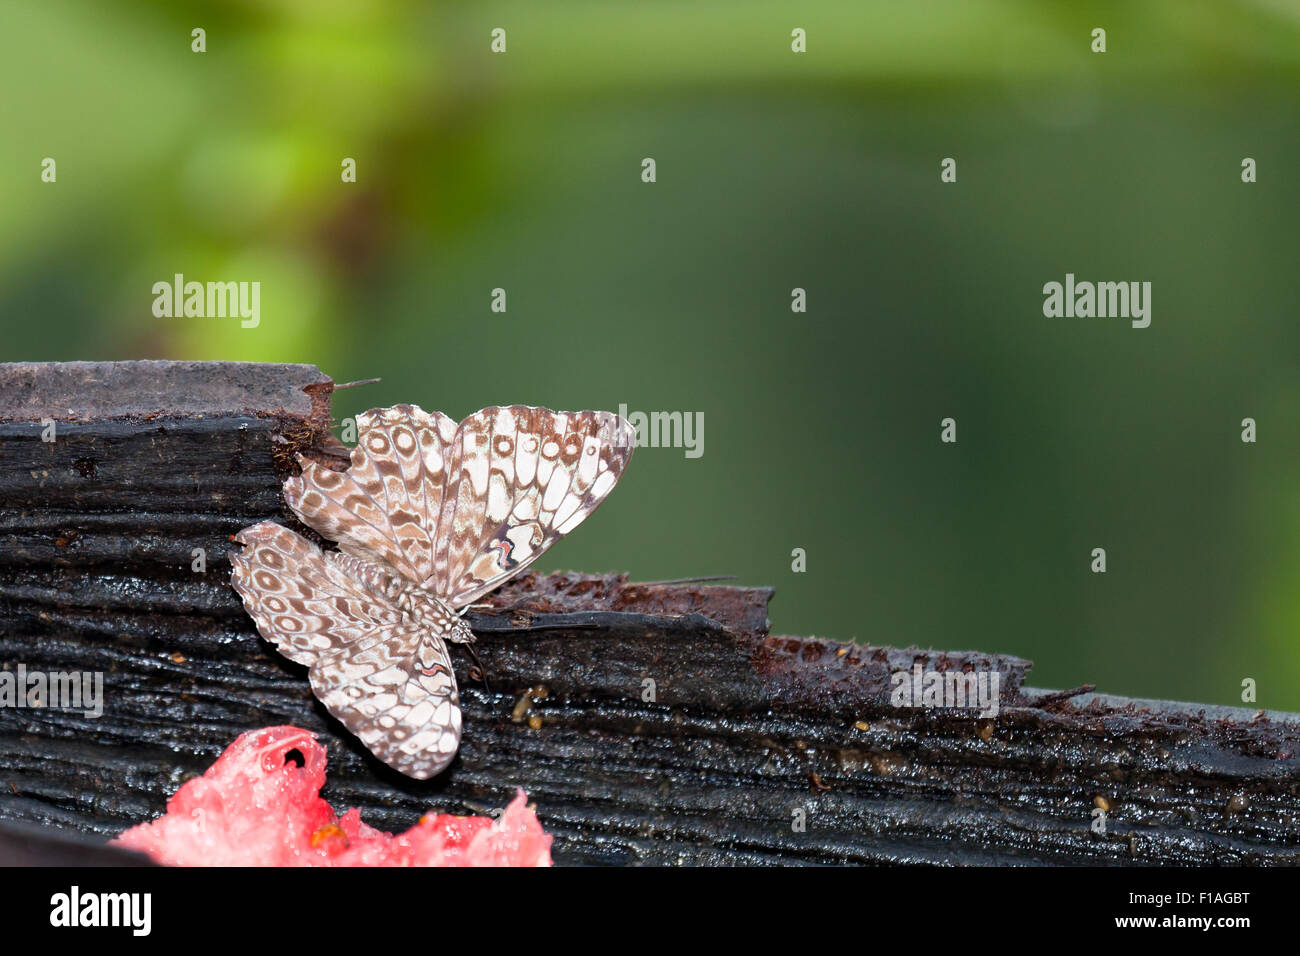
column 775, row 170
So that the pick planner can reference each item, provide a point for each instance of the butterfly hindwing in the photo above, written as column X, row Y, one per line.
column 300, row 599
column 387, row 678
column 396, row 692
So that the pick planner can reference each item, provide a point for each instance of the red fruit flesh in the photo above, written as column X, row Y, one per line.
column 256, row 807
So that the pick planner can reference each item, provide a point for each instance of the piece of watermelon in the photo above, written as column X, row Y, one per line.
column 257, row 807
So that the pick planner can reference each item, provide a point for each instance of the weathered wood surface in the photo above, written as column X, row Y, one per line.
column 746, row 733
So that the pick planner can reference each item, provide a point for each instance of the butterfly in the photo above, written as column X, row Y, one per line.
column 429, row 516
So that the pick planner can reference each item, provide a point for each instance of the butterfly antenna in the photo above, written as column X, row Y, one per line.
column 360, row 381
column 714, row 577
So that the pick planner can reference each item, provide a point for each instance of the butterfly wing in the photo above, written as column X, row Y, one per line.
column 396, row 691
column 461, row 509
column 387, row 679
column 521, row 478
column 386, row 506
column 300, row 599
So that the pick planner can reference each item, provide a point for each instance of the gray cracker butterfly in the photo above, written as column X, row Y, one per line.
column 429, row 517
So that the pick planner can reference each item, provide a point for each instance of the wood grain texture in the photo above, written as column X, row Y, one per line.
column 97, row 532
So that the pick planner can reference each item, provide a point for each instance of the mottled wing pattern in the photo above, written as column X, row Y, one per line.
column 521, row 478
column 386, row 677
column 386, row 506
column 396, row 691
column 449, row 511
column 300, row 599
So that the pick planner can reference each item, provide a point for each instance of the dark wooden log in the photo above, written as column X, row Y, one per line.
column 741, row 736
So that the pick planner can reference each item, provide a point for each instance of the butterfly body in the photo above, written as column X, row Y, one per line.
column 429, row 516
column 419, row 606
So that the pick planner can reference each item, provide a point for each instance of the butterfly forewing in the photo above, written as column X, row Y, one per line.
column 522, row 478
column 387, row 504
